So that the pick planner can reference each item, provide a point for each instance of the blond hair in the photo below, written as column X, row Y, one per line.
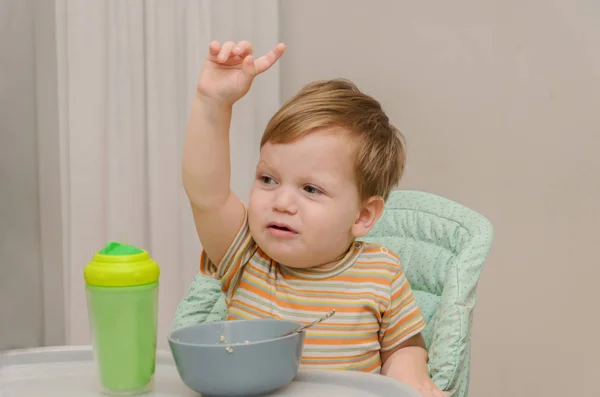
column 380, row 150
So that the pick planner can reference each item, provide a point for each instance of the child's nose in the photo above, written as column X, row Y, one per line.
column 285, row 202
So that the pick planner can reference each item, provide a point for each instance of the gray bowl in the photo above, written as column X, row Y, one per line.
column 253, row 359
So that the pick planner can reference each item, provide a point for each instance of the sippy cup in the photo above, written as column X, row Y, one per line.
column 122, row 296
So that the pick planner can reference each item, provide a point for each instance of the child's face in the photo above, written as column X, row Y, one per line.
column 305, row 202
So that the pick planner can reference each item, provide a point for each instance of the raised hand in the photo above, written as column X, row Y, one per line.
column 229, row 70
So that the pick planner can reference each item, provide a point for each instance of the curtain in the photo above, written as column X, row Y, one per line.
column 126, row 72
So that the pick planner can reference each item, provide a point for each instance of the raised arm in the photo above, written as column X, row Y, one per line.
column 226, row 76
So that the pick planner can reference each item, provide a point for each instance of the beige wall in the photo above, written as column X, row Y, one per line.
column 500, row 103
column 31, row 287
column 21, row 292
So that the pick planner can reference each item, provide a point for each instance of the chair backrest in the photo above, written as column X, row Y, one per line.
column 442, row 246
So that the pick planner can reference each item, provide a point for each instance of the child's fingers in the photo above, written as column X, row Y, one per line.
column 225, row 51
column 214, row 48
column 266, row 61
column 429, row 389
column 243, row 48
column 249, row 67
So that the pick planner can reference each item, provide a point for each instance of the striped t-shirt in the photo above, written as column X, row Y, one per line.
column 375, row 306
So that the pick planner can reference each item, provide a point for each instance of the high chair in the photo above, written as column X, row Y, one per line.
column 442, row 246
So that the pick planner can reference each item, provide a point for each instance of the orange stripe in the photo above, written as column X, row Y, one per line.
column 329, row 342
column 406, row 320
column 266, row 314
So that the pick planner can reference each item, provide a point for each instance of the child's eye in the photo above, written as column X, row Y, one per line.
column 312, row 190
column 267, row 180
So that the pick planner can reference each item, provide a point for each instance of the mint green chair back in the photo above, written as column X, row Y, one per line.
column 442, row 246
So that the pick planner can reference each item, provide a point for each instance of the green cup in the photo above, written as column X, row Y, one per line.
column 122, row 296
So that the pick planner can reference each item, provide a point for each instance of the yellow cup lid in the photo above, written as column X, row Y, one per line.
column 121, row 265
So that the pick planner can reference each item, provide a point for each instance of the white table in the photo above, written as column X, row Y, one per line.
column 70, row 372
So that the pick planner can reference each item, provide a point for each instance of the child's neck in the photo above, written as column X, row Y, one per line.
column 335, row 261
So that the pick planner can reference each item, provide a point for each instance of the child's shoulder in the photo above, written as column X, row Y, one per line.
column 376, row 255
column 379, row 250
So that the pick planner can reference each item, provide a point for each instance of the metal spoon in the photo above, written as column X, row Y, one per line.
column 300, row 329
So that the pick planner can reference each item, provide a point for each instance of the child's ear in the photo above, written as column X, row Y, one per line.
column 368, row 216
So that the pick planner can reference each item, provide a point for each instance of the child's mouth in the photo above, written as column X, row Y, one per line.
column 281, row 230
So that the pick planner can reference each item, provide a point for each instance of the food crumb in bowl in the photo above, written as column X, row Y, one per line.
column 229, row 349
column 246, row 341
column 223, row 339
